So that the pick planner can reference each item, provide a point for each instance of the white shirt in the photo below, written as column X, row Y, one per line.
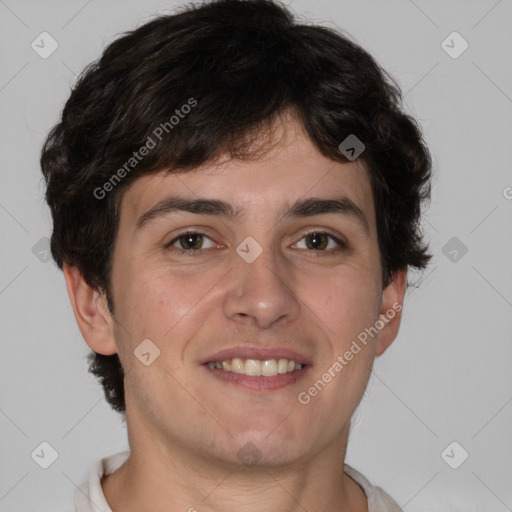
column 89, row 496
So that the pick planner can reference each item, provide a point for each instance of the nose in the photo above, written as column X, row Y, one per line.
column 260, row 292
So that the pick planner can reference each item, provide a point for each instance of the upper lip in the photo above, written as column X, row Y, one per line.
column 252, row 352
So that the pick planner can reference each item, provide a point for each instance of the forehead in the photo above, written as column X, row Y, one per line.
column 289, row 167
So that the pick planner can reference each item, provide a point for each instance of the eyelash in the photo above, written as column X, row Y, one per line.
column 199, row 252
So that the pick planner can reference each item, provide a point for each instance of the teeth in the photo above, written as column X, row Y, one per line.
column 282, row 367
column 269, row 368
column 252, row 367
column 255, row 367
column 237, row 365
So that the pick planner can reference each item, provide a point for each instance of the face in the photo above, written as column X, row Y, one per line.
column 277, row 274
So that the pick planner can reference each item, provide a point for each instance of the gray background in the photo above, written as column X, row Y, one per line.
column 448, row 375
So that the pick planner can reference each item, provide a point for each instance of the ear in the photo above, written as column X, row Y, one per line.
column 391, row 310
column 91, row 312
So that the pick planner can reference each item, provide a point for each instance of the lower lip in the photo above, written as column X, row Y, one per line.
column 259, row 383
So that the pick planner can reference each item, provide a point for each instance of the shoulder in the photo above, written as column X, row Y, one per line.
column 89, row 495
column 378, row 499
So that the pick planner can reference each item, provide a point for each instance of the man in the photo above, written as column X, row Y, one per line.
column 236, row 200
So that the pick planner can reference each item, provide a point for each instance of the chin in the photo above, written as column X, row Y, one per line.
column 262, row 449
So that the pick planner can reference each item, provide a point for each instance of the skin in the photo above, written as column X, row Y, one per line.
column 185, row 427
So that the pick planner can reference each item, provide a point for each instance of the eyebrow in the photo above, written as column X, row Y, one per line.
column 301, row 208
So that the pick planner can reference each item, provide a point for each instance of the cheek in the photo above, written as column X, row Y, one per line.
column 165, row 307
column 346, row 302
column 153, row 299
column 157, row 305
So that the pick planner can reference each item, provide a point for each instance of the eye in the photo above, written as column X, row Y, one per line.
column 320, row 241
column 189, row 242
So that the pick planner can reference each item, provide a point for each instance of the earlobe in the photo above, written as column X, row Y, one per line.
column 391, row 310
column 91, row 312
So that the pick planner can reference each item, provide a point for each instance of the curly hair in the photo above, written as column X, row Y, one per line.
column 238, row 65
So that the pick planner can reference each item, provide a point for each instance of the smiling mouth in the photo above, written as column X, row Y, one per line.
column 256, row 367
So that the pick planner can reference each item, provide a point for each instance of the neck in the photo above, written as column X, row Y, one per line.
column 157, row 479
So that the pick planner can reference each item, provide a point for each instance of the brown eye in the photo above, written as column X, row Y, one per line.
column 319, row 241
column 190, row 242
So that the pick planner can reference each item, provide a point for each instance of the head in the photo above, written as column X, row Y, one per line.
column 237, row 102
